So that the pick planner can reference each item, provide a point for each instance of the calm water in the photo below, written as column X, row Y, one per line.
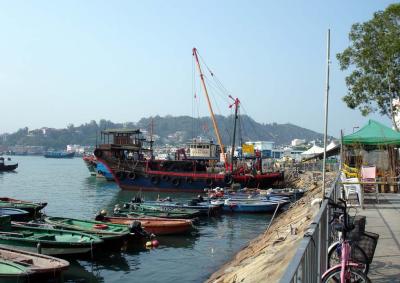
column 71, row 192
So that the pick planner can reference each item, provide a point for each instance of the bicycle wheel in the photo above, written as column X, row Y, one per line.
column 334, row 256
column 356, row 276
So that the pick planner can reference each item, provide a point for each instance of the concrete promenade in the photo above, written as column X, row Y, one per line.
column 383, row 218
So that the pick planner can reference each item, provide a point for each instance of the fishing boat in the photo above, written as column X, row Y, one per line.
column 157, row 226
column 129, row 157
column 7, row 167
column 59, row 154
column 22, row 266
column 136, row 210
column 44, row 240
column 15, row 214
column 115, row 236
column 32, row 207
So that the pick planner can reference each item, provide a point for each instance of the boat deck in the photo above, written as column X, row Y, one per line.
column 383, row 218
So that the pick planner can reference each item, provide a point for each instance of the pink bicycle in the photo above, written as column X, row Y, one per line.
column 347, row 271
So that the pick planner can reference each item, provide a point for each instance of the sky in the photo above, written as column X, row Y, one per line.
column 65, row 62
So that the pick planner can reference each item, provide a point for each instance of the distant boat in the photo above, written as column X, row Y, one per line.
column 22, row 266
column 59, row 154
column 7, row 167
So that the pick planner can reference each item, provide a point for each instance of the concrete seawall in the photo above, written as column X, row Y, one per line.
column 265, row 258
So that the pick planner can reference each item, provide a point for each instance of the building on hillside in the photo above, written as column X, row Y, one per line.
column 297, row 142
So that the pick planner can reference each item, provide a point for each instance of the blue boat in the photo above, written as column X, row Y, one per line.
column 233, row 206
column 59, row 154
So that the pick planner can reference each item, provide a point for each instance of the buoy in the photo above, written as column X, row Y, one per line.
column 155, row 243
column 100, row 226
column 148, row 244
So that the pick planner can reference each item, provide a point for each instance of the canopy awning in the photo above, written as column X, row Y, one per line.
column 374, row 133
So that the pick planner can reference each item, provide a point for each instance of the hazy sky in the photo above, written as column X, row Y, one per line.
column 74, row 61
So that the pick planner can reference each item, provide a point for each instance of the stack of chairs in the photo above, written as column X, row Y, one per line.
column 351, row 175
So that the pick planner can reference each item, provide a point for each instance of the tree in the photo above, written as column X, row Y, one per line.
column 374, row 58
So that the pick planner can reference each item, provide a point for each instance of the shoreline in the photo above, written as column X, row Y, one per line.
column 268, row 255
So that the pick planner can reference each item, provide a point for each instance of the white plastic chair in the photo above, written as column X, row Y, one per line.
column 352, row 189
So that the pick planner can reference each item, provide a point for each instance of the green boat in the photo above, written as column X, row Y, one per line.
column 11, row 272
column 32, row 207
column 45, row 240
column 137, row 210
column 115, row 236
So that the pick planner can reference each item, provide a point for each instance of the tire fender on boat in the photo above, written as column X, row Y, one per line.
column 154, row 180
column 165, row 178
column 132, row 176
column 228, row 179
column 120, row 175
column 97, row 152
column 176, row 182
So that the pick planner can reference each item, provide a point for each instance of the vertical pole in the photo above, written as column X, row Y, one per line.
column 326, row 108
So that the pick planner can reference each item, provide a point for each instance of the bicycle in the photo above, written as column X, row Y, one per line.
column 347, row 271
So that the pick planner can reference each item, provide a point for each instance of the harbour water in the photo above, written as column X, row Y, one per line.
column 70, row 192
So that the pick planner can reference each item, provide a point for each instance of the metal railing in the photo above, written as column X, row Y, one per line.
column 310, row 259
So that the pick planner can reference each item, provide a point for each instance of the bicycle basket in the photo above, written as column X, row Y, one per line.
column 359, row 227
column 367, row 242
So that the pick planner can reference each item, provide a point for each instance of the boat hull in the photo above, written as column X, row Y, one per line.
column 190, row 182
column 156, row 226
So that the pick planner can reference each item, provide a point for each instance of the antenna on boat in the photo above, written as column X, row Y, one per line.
column 209, row 106
column 235, row 103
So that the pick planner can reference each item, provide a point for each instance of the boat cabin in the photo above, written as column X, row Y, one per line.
column 203, row 150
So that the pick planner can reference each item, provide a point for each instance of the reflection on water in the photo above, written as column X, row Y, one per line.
column 71, row 192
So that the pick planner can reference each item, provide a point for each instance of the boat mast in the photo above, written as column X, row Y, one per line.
column 236, row 103
column 209, row 106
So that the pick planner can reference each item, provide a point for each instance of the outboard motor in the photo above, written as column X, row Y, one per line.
column 136, row 200
column 136, row 228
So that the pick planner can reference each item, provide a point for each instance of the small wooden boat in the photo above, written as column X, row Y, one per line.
column 32, row 207
column 157, row 226
column 205, row 208
column 44, row 240
column 115, row 236
column 155, row 211
column 22, row 266
column 249, row 207
column 11, row 272
column 15, row 214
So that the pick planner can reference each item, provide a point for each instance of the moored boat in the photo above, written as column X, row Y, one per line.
column 7, row 167
column 15, row 214
column 205, row 208
column 32, row 207
column 115, row 236
column 44, row 240
column 158, row 226
column 20, row 265
column 133, row 210
column 250, row 207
